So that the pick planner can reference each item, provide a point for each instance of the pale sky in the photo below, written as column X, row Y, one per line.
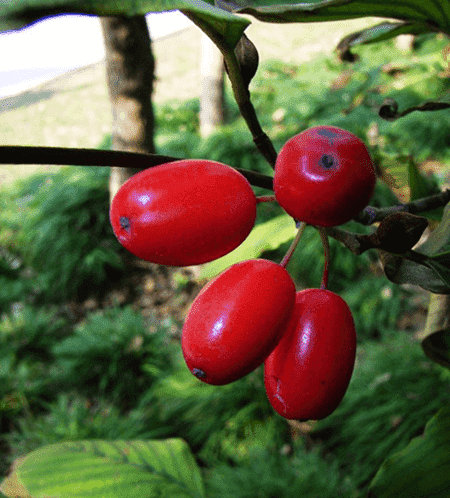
column 62, row 43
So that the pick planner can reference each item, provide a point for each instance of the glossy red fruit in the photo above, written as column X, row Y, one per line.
column 237, row 320
column 184, row 213
column 307, row 374
column 324, row 176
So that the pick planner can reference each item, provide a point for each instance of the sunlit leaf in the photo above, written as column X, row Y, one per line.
column 396, row 176
column 265, row 237
column 107, row 469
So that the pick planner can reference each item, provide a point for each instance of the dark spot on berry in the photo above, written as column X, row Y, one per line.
column 200, row 374
column 330, row 134
column 326, row 161
column 125, row 223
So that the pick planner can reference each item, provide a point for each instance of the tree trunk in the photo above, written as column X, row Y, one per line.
column 212, row 99
column 130, row 75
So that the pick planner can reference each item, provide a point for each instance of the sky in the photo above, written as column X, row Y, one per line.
column 30, row 56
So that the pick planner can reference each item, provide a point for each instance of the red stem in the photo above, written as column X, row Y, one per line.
column 266, row 198
column 326, row 254
column 294, row 244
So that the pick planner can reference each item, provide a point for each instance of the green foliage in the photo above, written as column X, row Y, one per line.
column 349, row 95
column 376, row 306
column 59, row 226
column 72, row 417
column 29, row 333
column 393, row 392
column 26, row 336
column 13, row 283
column 177, row 117
column 113, row 354
column 412, row 472
column 220, row 423
column 268, row 474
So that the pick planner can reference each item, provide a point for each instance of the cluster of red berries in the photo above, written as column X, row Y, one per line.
column 193, row 211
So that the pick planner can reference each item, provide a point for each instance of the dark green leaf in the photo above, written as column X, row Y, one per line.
column 438, row 243
column 441, row 265
column 17, row 14
column 433, row 13
column 429, row 265
column 437, row 347
column 380, row 32
column 422, row 468
column 423, row 272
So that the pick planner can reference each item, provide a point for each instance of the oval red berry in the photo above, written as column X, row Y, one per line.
column 237, row 320
column 324, row 176
column 307, row 374
column 183, row 213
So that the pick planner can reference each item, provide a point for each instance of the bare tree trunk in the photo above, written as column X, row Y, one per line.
column 130, row 75
column 212, row 99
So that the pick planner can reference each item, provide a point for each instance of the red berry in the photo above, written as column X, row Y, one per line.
column 324, row 176
column 237, row 320
column 184, row 213
column 308, row 372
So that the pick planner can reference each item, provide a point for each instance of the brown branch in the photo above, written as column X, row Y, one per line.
column 372, row 214
column 352, row 241
column 23, row 154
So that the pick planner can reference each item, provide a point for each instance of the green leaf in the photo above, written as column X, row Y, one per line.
column 429, row 265
column 419, row 184
column 422, row 468
column 441, row 263
column 265, row 237
column 396, row 176
column 107, row 469
column 380, row 32
column 437, row 347
column 438, row 243
column 422, row 272
column 434, row 13
column 17, row 14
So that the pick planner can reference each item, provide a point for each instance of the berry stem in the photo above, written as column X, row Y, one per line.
column 240, row 90
column 326, row 254
column 290, row 252
column 265, row 198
